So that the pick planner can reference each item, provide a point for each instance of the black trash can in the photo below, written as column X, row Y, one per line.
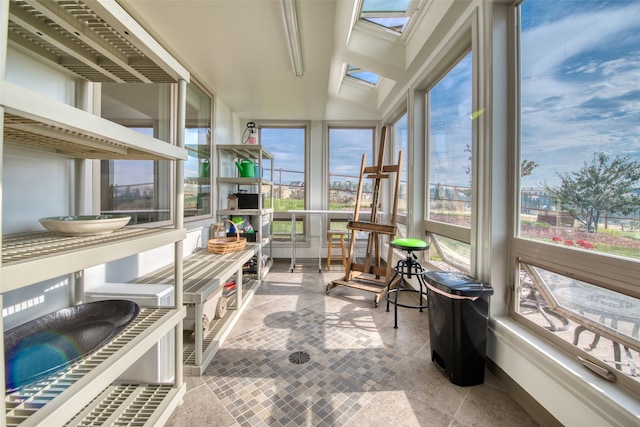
column 458, row 322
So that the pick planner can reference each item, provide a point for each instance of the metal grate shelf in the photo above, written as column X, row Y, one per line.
column 97, row 41
column 52, row 396
column 36, row 256
column 126, row 405
column 22, row 133
column 203, row 273
column 28, row 246
column 39, row 123
column 242, row 151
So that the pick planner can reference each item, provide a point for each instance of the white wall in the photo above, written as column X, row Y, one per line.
column 226, row 125
column 34, row 75
column 130, row 268
column 35, row 185
column 26, row 304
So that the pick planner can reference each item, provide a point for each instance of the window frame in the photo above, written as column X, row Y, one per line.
column 398, row 146
column 285, row 216
column 374, row 145
column 211, row 150
column 365, row 18
column 608, row 272
column 165, row 184
column 357, row 74
column 339, row 221
column 455, row 232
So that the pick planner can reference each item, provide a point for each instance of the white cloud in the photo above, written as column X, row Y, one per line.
column 560, row 132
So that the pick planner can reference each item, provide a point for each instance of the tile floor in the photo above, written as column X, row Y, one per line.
column 361, row 371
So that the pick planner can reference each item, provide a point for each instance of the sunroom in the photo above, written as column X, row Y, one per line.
column 517, row 122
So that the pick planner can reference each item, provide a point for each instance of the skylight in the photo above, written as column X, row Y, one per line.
column 391, row 14
column 365, row 76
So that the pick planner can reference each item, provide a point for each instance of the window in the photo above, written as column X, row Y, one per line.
column 346, row 148
column 140, row 188
column 578, row 241
column 393, row 15
column 401, row 143
column 197, row 168
column 287, row 144
column 449, row 112
column 362, row 75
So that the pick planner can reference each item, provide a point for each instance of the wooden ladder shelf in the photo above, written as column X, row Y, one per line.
column 369, row 274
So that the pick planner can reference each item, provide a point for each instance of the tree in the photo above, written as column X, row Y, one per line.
column 598, row 188
column 527, row 166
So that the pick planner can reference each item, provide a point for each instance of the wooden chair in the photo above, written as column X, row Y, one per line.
column 335, row 240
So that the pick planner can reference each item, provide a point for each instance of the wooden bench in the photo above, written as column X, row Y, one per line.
column 556, row 218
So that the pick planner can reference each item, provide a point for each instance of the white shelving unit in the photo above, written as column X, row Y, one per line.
column 262, row 216
column 99, row 42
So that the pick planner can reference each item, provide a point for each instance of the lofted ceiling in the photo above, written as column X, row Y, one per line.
column 238, row 50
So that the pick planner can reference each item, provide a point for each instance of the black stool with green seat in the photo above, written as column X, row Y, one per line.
column 407, row 267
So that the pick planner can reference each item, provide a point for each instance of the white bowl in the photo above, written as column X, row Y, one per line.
column 85, row 225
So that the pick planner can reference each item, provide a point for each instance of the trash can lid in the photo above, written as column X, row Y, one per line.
column 456, row 283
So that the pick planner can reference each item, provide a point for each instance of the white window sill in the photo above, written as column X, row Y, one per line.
column 545, row 372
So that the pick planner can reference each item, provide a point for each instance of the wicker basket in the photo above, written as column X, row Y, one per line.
column 225, row 245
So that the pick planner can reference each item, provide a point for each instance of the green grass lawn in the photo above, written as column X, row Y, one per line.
column 284, row 227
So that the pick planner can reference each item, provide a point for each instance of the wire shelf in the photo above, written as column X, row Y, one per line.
column 27, row 401
column 72, row 35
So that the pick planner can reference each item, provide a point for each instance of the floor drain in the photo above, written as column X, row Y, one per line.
column 299, row 357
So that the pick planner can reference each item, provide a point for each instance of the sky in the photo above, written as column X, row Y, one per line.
column 128, row 172
column 580, row 92
column 385, row 5
column 450, row 126
column 580, row 76
column 346, row 149
column 287, row 147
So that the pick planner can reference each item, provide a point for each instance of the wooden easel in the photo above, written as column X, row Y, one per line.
column 370, row 275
